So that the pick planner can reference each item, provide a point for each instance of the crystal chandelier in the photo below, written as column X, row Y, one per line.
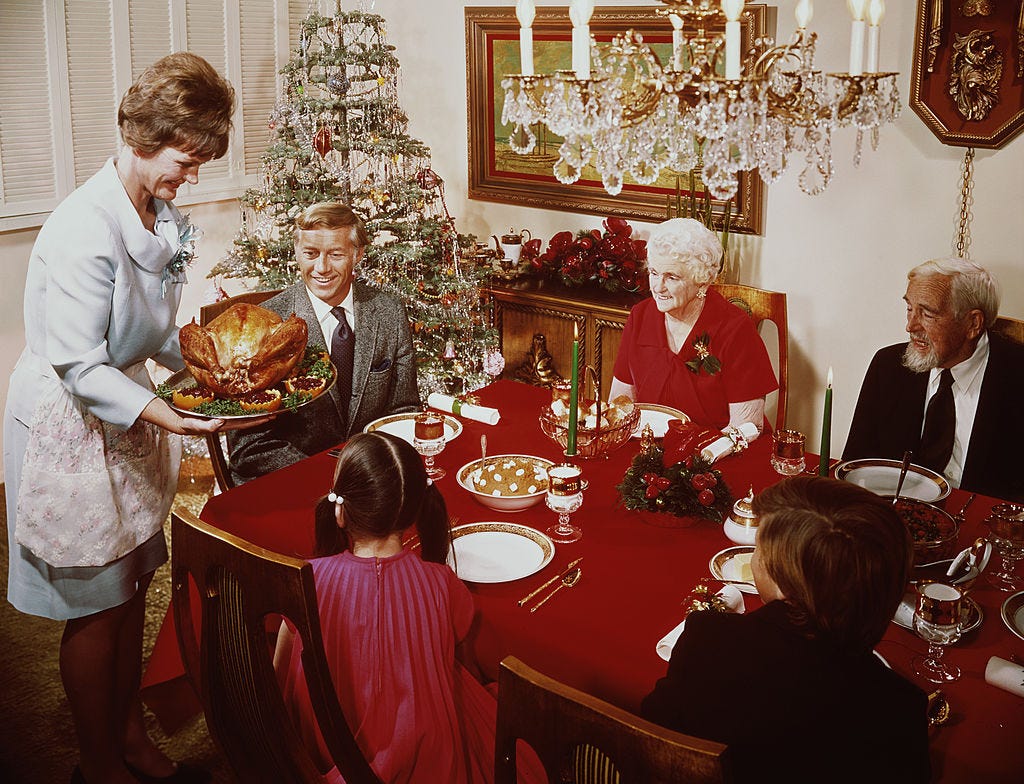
column 712, row 107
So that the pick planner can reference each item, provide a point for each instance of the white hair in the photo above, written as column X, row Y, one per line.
column 971, row 285
column 688, row 243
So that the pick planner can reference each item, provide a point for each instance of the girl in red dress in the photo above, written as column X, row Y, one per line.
column 392, row 619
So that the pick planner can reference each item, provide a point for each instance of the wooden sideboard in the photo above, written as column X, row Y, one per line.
column 522, row 309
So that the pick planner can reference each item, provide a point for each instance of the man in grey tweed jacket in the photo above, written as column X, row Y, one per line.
column 329, row 243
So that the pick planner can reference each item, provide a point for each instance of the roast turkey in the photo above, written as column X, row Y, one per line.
column 246, row 348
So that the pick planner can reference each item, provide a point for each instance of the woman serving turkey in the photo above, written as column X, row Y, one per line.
column 90, row 458
column 687, row 347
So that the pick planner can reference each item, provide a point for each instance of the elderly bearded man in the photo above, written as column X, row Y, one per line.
column 952, row 394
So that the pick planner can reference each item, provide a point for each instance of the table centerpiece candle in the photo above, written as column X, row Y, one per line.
column 826, row 428
column 574, row 392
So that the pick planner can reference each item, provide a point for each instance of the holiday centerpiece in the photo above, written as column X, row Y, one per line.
column 677, row 477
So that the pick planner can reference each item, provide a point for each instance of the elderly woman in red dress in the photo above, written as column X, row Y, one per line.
column 687, row 347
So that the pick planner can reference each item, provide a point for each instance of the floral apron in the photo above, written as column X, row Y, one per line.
column 92, row 492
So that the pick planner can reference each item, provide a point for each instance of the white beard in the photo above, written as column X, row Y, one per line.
column 917, row 362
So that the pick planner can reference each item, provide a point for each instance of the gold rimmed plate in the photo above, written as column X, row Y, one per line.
column 727, row 565
column 657, row 417
column 183, row 379
column 498, row 552
column 404, row 426
column 971, row 614
column 1012, row 613
column 881, row 475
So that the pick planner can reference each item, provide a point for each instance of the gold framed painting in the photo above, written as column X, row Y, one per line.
column 498, row 174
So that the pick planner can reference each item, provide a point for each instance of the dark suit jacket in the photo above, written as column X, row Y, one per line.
column 890, row 415
column 383, row 382
column 791, row 709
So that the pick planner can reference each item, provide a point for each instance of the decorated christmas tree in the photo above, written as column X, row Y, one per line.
column 339, row 133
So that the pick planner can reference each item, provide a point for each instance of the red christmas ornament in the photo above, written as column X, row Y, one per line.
column 655, row 484
column 323, row 141
column 706, row 498
column 427, row 179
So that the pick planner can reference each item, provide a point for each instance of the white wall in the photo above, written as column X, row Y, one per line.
column 842, row 256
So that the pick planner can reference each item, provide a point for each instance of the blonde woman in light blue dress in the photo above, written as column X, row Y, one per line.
column 90, row 453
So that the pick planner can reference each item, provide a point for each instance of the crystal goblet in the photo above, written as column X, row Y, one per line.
column 1006, row 521
column 564, row 496
column 937, row 620
column 429, row 440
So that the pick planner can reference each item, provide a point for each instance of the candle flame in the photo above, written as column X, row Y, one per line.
column 575, row 330
column 830, row 375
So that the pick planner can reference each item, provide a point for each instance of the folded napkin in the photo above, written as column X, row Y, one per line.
column 733, row 600
column 1006, row 675
column 725, row 445
column 489, row 416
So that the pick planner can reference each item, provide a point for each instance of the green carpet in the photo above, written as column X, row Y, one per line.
column 37, row 742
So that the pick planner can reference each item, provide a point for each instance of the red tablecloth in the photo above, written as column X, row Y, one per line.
column 600, row 636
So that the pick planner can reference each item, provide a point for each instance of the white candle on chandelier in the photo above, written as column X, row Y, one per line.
column 525, row 12
column 804, row 13
column 876, row 10
column 579, row 13
column 857, row 8
column 732, row 10
column 677, row 41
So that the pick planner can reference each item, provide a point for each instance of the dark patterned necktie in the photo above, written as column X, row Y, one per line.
column 939, row 426
column 343, row 344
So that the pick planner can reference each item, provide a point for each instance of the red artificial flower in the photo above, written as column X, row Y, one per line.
column 617, row 226
column 611, row 259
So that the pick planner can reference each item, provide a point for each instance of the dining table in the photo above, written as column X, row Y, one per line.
column 637, row 570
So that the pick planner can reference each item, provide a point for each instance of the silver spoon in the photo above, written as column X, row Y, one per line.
column 962, row 514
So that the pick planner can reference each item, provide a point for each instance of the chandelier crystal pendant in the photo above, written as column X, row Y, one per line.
column 624, row 112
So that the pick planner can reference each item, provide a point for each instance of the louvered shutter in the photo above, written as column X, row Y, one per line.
column 90, row 48
column 28, row 172
column 258, row 77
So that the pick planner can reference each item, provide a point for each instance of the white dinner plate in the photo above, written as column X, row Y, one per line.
column 881, row 476
column 1012, row 613
column 404, row 425
column 658, row 418
column 723, row 566
column 498, row 552
column 970, row 613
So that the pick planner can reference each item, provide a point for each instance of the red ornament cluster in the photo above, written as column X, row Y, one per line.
column 655, row 485
column 611, row 260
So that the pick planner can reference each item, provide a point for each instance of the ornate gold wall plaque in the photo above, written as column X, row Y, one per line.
column 967, row 83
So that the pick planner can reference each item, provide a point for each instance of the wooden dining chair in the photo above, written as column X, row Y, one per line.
column 1009, row 328
column 584, row 740
column 762, row 305
column 215, row 442
column 240, row 586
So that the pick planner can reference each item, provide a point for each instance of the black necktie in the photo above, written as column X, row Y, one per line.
column 343, row 344
column 939, row 426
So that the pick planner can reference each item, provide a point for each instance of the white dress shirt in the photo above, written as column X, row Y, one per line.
column 327, row 320
column 967, row 378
